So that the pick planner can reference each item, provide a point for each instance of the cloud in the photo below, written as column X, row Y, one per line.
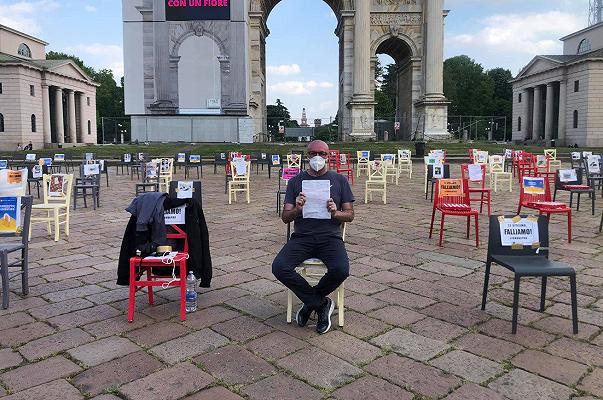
column 100, row 55
column 298, row 87
column 23, row 15
column 90, row 8
column 285, row 69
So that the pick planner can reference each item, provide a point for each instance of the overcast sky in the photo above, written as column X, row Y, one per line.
column 302, row 49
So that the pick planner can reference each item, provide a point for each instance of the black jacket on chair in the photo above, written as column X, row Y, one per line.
column 198, row 242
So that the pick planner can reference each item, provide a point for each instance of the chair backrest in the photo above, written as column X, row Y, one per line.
column 36, row 171
column 474, row 173
column 289, row 173
column 568, row 177
column 481, row 157
column 592, row 165
column 344, row 161
column 439, row 153
column 13, row 183
column 11, row 223
column 166, row 166
column 431, row 160
column 194, row 159
column 3, row 164
column 376, row 171
column 240, row 168
column 510, row 235
column 181, row 158
column 293, row 161
column 59, row 157
column 220, row 158
column 90, row 172
column 472, row 155
column 542, row 162
column 451, row 192
column 389, row 160
column 57, row 188
column 404, row 154
column 177, row 186
column 150, row 172
column 275, row 160
column 534, row 189
column 433, row 172
column 126, row 158
column 551, row 153
column 333, row 158
column 496, row 160
column 363, row 156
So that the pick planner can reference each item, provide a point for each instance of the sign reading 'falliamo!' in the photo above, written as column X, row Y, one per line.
column 194, row 10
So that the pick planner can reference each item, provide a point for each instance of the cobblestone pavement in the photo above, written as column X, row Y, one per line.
column 413, row 327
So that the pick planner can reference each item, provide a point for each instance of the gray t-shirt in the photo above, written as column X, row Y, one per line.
column 340, row 193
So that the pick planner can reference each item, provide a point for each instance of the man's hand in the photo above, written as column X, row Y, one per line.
column 300, row 200
column 332, row 207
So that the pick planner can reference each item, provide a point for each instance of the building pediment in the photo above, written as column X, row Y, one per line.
column 539, row 64
column 70, row 70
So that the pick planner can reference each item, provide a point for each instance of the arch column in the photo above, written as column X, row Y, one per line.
column 537, row 113
column 58, row 112
column 71, row 112
column 525, row 120
column 562, row 112
column 83, row 120
column 47, row 132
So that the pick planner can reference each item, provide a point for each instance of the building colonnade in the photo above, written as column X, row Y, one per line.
column 544, row 112
column 65, row 128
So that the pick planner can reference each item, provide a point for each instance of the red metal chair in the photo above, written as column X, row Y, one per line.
column 452, row 198
column 333, row 159
column 483, row 191
column 526, row 166
column 537, row 196
column 344, row 164
column 139, row 266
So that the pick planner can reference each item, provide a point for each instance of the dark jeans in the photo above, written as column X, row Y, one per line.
column 329, row 249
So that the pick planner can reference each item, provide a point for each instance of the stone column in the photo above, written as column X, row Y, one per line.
column 58, row 112
column 71, row 112
column 562, row 112
column 434, row 63
column 47, row 133
column 537, row 120
column 83, row 120
column 362, row 51
column 525, row 118
column 549, row 117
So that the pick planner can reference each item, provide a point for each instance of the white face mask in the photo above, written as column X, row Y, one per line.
column 317, row 163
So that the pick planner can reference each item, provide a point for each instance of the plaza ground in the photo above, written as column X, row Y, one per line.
column 413, row 327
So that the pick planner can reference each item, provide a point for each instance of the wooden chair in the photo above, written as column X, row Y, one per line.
column 333, row 156
column 571, row 181
column 10, row 246
column 527, row 261
column 166, row 173
column 452, row 198
column 124, row 161
column 551, row 155
column 363, row 159
column 193, row 162
column 405, row 162
column 482, row 191
column 535, row 193
column 391, row 170
column 498, row 173
column 376, row 181
column 293, row 161
column 56, row 207
column 287, row 174
column 312, row 270
column 239, row 182
column 344, row 164
column 150, row 178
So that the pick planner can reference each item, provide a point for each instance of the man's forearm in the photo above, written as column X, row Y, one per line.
column 344, row 216
column 290, row 215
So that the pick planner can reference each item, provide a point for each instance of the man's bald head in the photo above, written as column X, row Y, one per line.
column 318, row 146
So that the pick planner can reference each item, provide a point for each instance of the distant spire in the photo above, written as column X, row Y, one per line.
column 304, row 119
column 595, row 13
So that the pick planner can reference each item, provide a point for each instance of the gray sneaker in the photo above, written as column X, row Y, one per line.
column 303, row 315
column 324, row 316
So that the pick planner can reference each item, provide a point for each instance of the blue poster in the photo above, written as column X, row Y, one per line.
column 10, row 214
column 46, row 161
column 533, row 185
column 3, row 164
column 195, row 158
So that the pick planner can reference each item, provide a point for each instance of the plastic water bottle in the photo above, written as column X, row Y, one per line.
column 191, row 293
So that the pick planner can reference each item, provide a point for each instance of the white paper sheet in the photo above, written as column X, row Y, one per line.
column 568, row 175
column 523, row 232
column 317, row 194
column 185, row 190
column 475, row 172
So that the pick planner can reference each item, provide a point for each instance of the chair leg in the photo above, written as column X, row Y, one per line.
column 577, row 203
column 574, row 304
column 4, row 273
column 543, row 294
column 486, row 282
column 25, row 270
column 442, row 229
column 515, row 305
column 593, row 203
column 468, row 225
column 430, row 226
column 150, row 288
column 289, row 305
column 476, row 231
column 569, row 226
column 555, row 195
column 131, row 299
column 56, row 225
column 340, row 305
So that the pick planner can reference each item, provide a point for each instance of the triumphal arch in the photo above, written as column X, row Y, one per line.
column 195, row 70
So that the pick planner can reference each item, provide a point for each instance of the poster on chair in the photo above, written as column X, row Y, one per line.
column 523, row 231
column 10, row 214
column 533, row 185
column 594, row 165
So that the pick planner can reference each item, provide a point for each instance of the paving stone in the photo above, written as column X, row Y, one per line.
column 319, row 368
column 206, row 317
column 16, row 319
column 577, row 351
column 81, row 291
column 361, row 326
column 220, row 296
column 445, row 269
column 397, row 316
column 83, row 317
column 522, row 385
column 404, row 299
column 215, row 393
column 410, row 344
column 593, row 382
column 436, row 329
column 525, row 336
column 275, row 345
column 156, row 333
column 473, row 392
column 176, row 382
column 463, row 316
column 22, row 334
column 71, row 273
column 103, row 350
column 38, row 373
column 468, row 366
column 371, row 388
column 117, row 325
column 413, row 375
column 242, row 328
column 235, row 365
column 51, row 344
column 263, row 287
column 106, row 397
column 114, row 373
column 489, row 347
column 281, row 387
column 347, row 347
column 387, row 277
column 257, row 306
column 363, row 286
column 452, row 260
column 59, row 389
column 550, row 366
column 188, row 346
column 9, row 359
column 362, row 303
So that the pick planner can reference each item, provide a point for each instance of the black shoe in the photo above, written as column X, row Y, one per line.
column 324, row 316
column 303, row 315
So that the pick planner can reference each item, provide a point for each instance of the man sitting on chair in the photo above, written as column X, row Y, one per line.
column 315, row 238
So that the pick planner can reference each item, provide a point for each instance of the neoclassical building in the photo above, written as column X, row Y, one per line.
column 47, row 102
column 196, row 70
column 561, row 96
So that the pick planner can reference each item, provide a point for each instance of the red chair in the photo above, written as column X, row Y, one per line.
column 471, row 159
column 526, row 166
column 452, row 198
column 140, row 266
column 344, row 164
column 537, row 196
column 483, row 191
column 333, row 159
column 543, row 168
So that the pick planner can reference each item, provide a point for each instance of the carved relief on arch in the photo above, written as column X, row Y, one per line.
column 180, row 31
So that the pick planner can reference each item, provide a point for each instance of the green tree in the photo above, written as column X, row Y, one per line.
column 467, row 87
column 385, row 92
column 274, row 115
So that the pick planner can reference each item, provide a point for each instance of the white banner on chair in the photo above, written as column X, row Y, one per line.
column 240, row 166
column 438, row 171
column 594, row 166
column 175, row 215
column 568, row 175
column 185, row 190
column 524, row 232
column 576, row 156
column 91, row 169
column 475, row 172
column 36, row 171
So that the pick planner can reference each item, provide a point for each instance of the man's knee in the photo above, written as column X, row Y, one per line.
column 340, row 272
